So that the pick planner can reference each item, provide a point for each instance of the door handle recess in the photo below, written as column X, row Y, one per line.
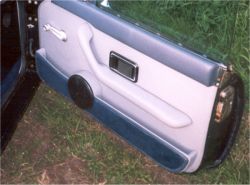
column 123, row 66
column 60, row 34
column 156, row 107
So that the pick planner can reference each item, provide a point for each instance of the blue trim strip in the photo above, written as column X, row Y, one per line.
column 49, row 74
column 127, row 129
column 138, row 137
column 189, row 63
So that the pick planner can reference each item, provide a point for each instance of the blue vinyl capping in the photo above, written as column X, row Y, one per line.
column 182, row 60
column 124, row 127
column 138, row 137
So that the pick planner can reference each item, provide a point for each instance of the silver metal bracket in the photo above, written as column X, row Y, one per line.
column 224, row 75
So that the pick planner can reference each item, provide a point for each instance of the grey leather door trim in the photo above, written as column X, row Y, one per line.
column 178, row 58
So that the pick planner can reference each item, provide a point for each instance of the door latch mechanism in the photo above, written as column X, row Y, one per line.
column 225, row 104
column 60, row 34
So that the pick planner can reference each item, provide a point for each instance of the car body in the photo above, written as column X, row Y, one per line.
column 179, row 107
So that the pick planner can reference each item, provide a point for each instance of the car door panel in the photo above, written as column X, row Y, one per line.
column 197, row 67
column 165, row 114
column 158, row 149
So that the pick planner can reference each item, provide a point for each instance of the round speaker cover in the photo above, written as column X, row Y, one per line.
column 80, row 91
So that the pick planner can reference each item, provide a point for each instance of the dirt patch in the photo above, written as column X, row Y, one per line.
column 71, row 171
column 2, row 175
column 30, row 142
column 162, row 176
column 33, row 136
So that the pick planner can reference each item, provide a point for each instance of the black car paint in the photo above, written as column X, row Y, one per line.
column 221, row 136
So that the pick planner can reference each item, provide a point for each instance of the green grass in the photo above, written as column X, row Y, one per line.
column 66, row 130
column 85, row 139
column 71, row 133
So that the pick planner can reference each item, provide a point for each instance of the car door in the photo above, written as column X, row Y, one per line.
column 180, row 108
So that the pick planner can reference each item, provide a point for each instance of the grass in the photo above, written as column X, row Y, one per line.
column 71, row 133
column 53, row 130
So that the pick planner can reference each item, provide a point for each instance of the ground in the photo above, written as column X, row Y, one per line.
column 57, row 143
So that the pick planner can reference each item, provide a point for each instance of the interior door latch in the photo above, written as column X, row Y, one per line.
column 60, row 34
